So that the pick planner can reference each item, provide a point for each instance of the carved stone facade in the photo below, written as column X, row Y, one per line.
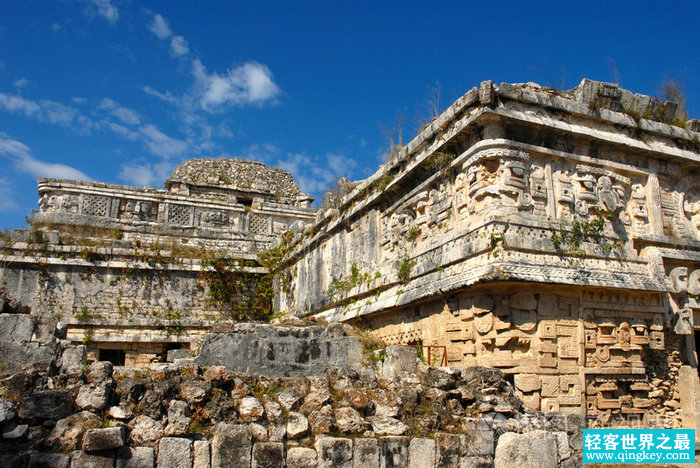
column 122, row 266
column 553, row 235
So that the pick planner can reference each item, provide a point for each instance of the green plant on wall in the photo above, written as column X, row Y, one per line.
column 173, row 316
column 83, row 314
column 244, row 294
column 404, row 273
column 87, row 336
column 439, row 161
column 569, row 239
column 340, row 287
column 497, row 241
column 382, row 183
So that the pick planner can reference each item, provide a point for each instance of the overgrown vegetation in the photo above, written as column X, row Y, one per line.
column 497, row 241
column 173, row 316
column 373, row 349
column 404, row 273
column 243, row 294
column 339, row 287
column 439, row 161
column 92, row 255
column 569, row 239
column 83, row 314
column 381, row 184
column 87, row 336
column 266, row 388
column 672, row 90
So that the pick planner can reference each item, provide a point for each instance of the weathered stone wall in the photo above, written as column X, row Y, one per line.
column 550, row 234
column 232, row 178
column 395, row 413
column 125, row 267
column 26, row 340
column 73, row 210
column 134, row 307
column 598, row 353
column 288, row 351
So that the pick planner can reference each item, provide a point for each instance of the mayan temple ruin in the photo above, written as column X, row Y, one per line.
column 122, row 265
column 551, row 235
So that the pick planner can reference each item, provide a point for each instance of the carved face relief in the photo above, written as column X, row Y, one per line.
column 460, row 189
column 515, row 176
column 537, row 183
column 679, row 279
column 565, row 190
column 607, row 196
column 62, row 203
column 586, row 187
column 639, row 201
column 216, row 218
column 137, row 210
column 691, row 209
column 53, row 203
column 143, row 209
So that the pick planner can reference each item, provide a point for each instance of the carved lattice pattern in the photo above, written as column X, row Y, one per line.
column 258, row 225
column 95, row 205
column 179, row 214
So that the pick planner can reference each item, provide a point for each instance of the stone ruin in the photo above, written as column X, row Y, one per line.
column 122, row 266
column 326, row 397
column 551, row 235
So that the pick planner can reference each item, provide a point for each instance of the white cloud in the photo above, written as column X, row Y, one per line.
column 179, row 46
column 18, row 104
column 20, row 83
column 339, row 163
column 250, row 83
column 167, row 97
column 20, row 155
column 126, row 115
column 147, row 174
column 44, row 110
column 7, row 202
column 123, row 131
column 315, row 175
column 160, row 27
column 105, row 9
column 157, row 142
column 161, row 144
column 265, row 152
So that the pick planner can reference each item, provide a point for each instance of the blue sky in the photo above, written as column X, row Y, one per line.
column 121, row 91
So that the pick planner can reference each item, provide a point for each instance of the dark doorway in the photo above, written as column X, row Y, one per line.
column 115, row 356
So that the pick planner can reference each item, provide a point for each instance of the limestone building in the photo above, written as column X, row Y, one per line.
column 122, row 266
column 553, row 235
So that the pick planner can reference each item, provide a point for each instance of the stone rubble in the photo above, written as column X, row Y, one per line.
column 367, row 417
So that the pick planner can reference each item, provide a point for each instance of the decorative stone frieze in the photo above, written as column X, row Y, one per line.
column 124, row 266
column 553, row 235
